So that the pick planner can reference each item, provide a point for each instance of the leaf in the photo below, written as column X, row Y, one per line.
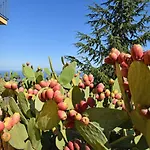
column 139, row 79
column 106, row 117
column 34, row 134
column 48, row 117
column 93, row 135
column 67, row 74
column 14, row 108
column 28, row 73
column 18, row 136
column 76, row 95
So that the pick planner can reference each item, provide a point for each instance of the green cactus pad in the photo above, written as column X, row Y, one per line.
column 28, row 73
column 2, row 82
column 76, row 80
column 48, row 117
column 139, row 80
column 28, row 146
column 107, row 118
column 24, row 104
column 87, row 92
column 15, row 108
column 93, row 135
column 38, row 103
column 18, row 136
column 76, row 95
column 34, row 134
column 39, row 76
column 67, row 74
column 69, row 103
column 116, row 86
column 47, row 71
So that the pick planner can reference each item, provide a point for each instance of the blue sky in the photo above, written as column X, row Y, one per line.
column 37, row 29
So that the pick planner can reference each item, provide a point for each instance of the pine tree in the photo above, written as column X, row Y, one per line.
column 115, row 23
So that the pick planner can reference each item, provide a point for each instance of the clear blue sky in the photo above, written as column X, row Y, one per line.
column 40, row 28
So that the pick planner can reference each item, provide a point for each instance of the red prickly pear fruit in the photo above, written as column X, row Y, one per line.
column 53, row 83
column 7, row 85
column 87, row 147
column 66, row 148
column 111, row 81
column 119, row 103
column 14, row 86
column 62, row 115
column 144, row 111
column 91, row 102
column 37, row 86
column 57, row 93
column 107, row 93
column 81, row 85
column 146, row 57
column 78, row 116
column 87, row 83
column 70, row 145
column 27, row 63
column 59, row 98
column 85, row 120
column 62, row 106
column 15, row 118
column 77, row 145
column 114, row 101
column 2, row 126
column 83, row 105
column 30, row 91
column 85, row 77
column 97, row 96
column 44, row 95
column 121, row 57
column 124, row 65
column 8, row 123
column 49, row 93
column 35, row 91
column 75, row 75
column 56, row 87
column 21, row 89
column 100, row 89
column 136, row 52
column 126, row 85
column 102, row 96
column 5, row 136
column 101, row 85
column 113, row 56
column 115, row 91
column 43, row 83
column 91, row 85
column 109, row 61
column 116, row 51
column 124, row 72
column 69, row 124
column 91, row 78
column 77, row 107
column 118, row 96
column 72, row 113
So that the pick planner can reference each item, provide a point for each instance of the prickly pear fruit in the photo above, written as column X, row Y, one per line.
column 85, row 120
column 15, row 118
column 49, row 93
column 91, row 102
column 5, row 136
column 7, row 85
column 62, row 106
column 2, row 126
column 136, row 52
column 62, row 115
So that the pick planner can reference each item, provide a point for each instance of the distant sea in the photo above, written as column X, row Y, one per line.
column 2, row 73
